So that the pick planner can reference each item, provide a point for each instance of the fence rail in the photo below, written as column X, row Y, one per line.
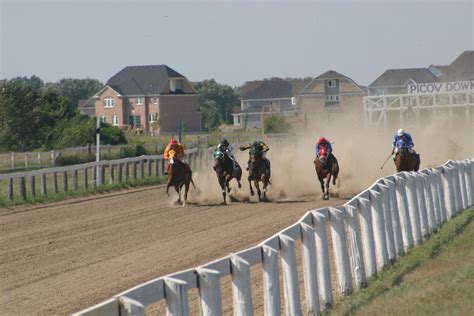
column 25, row 184
column 374, row 228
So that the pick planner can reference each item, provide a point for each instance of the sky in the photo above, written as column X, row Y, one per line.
column 230, row 41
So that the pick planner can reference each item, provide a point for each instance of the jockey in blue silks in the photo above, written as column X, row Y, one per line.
column 402, row 138
column 323, row 141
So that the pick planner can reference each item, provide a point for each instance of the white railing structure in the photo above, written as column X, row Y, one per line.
column 84, row 175
column 377, row 107
column 374, row 228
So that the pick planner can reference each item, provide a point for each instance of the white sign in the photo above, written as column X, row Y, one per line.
column 441, row 87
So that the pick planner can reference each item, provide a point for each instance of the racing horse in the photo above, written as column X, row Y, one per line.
column 179, row 175
column 326, row 167
column 258, row 173
column 225, row 171
column 404, row 160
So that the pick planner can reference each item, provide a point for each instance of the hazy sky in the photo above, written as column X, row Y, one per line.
column 230, row 41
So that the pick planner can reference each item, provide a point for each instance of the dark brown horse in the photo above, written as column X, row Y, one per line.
column 406, row 161
column 179, row 175
column 224, row 167
column 258, row 172
column 326, row 167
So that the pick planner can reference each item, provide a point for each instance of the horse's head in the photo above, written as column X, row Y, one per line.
column 218, row 156
column 172, row 156
column 254, row 154
column 323, row 154
column 402, row 146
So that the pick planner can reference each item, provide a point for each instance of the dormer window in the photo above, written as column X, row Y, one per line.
column 109, row 102
column 176, row 85
column 331, row 83
column 139, row 101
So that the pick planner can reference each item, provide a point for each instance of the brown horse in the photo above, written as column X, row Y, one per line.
column 326, row 167
column 179, row 175
column 224, row 167
column 406, row 161
column 258, row 173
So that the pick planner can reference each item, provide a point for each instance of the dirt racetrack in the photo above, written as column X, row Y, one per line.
column 62, row 257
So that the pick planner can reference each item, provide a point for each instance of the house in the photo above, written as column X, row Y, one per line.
column 138, row 96
column 87, row 106
column 396, row 81
column 331, row 94
column 261, row 98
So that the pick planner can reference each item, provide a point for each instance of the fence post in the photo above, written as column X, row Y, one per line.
column 111, row 174
column 448, row 192
column 155, row 165
column 26, row 160
column 55, row 182
column 10, row 189
column 142, row 168
column 341, row 256
column 403, row 212
column 462, row 182
column 420, row 192
column 241, row 286
column 176, row 293
column 209, row 292
column 396, row 227
column 322, row 258
column 162, row 166
column 33, row 186
column 380, row 236
column 430, row 211
column 290, row 276
column 129, row 307
column 75, row 180
column 309, row 270
column 148, row 165
column 435, row 198
column 440, row 191
column 22, row 187
column 86, row 176
column 456, row 188
column 413, row 208
column 271, row 281
column 385, row 204
column 44, row 189
column 368, row 243
column 94, row 175
column 119, row 172
column 13, row 160
column 65, row 186
column 134, row 170
column 353, row 236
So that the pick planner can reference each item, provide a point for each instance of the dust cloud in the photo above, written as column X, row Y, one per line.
column 360, row 152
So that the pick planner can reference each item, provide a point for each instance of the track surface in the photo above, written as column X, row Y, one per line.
column 62, row 257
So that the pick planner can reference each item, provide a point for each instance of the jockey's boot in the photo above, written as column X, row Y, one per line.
column 267, row 164
column 248, row 163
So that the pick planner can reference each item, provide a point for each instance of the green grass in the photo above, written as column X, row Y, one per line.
column 40, row 198
column 435, row 278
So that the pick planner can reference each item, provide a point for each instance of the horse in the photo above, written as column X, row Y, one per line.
column 326, row 167
column 179, row 175
column 258, row 173
column 404, row 160
column 225, row 171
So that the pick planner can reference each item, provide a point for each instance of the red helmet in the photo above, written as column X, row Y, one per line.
column 173, row 141
column 322, row 140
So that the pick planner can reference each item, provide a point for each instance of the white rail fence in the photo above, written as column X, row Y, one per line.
column 374, row 228
column 24, row 184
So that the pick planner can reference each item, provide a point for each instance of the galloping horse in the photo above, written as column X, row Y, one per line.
column 224, row 167
column 326, row 167
column 404, row 160
column 258, row 173
column 179, row 175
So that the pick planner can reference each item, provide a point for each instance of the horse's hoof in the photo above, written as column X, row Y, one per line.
column 240, row 186
column 184, row 204
column 326, row 197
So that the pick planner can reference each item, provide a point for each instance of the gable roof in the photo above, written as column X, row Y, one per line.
column 462, row 68
column 267, row 89
column 330, row 74
column 398, row 77
column 142, row 80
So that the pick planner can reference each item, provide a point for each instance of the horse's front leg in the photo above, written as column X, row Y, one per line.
column 178, row 190
column 227, row 180
column 167, row 189
column 328, row 181
column 258, row 191
column 223, row 184
column 251, row 189
column 186, row 189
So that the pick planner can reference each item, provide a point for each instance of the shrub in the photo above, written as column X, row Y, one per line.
column 276, row 124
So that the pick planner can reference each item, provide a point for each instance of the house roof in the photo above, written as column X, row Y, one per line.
column 398, row 77
column 462, row 68
column 267, row 89
column 142, row 80
column 87, row 103
column 330, row 74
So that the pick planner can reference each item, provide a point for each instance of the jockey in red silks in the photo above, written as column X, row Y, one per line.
column 323, row 142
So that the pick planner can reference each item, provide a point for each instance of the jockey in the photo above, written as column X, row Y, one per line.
column 178, row 148
column 324, row 142
column 262, row 148
column 228, row 150
column 407, row 140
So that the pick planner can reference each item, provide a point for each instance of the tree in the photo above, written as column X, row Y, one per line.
column 276, row 124
column 216, row 102
column 76, row 89
column 35, row 82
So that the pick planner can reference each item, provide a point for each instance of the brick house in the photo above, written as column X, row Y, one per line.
column 138, row 95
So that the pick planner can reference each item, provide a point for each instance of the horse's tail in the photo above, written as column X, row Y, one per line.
column 191, row 179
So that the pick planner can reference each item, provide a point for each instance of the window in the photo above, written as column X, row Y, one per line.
column 109, row 102
column 115, row 120
column 331, row 83
column 139, row 101
column 134, row 120
column 332, row 98
column 155, row 100
column 151, row 117
column 176, row 85
column 103, row 119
